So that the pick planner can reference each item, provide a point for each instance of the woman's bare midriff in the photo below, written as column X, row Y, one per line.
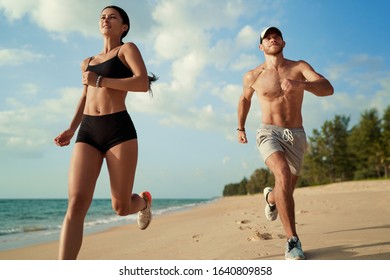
column 101, row 101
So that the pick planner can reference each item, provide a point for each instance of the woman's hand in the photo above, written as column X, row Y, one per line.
column 64, row 138
column 89, row 78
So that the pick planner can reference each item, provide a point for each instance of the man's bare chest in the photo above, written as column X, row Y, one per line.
column 269, row 81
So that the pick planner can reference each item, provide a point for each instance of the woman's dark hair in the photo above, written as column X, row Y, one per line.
column 152, row 78
column 125, row 19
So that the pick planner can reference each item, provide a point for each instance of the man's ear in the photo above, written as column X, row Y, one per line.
column 261, row 47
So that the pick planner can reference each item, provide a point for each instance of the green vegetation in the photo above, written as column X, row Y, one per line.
column 335, row 154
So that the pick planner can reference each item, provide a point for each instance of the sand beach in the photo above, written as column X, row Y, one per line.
column 342, row 221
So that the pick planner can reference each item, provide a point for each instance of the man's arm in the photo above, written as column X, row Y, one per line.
column 244, row 105
column 315, row 83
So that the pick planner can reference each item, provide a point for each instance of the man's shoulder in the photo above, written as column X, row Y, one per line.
column 251, row 76
column 296, row 62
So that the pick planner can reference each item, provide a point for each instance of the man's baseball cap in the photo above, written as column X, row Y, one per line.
column 269, row 29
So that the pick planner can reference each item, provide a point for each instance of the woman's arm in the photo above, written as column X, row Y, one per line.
column 133, row 59
column 74, row 124
column 63, row 139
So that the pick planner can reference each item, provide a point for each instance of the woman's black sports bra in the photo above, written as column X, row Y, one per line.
column 112, row 68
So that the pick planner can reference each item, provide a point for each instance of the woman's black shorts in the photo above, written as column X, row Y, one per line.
column 104, row 132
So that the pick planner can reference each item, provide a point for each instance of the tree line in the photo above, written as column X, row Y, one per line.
column 335, row 153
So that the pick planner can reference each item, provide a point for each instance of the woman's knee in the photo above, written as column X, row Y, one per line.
column 78, row 207
column 121, row 208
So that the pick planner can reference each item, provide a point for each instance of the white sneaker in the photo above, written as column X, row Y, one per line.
column 271, row 213
column 294, row 249
column 145, row 216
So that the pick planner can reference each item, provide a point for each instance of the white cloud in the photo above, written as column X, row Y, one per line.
column 64, row 106
column 202, row 118
column 61, row 18
column 364, row 85
column 245, row 165
column 185, row 34
column 220, row 54
column 245, row 62
column 351, row 104
column 183, row 26
column 247, row 37
column 174, row 41
column 186, row 70
column 25, row 129
column 56, row 16
column 194, row 38
column 14, row 10
column 175, row 97
column 358, row 70
column 18, row 133
column 225, row 160
column 30, row 89
column 229, row 94
column 18, row 56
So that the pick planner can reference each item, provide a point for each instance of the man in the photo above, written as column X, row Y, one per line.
column 280, row 84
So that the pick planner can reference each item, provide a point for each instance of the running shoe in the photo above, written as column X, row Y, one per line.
column 145, row 216
column 271, row 213
column 294, row 249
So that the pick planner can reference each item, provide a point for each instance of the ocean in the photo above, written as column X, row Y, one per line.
column 26, row 222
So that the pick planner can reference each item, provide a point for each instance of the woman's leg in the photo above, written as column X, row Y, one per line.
column 122, row 162
column 84, row 170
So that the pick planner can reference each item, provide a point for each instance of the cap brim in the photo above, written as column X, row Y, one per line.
column 269, row 29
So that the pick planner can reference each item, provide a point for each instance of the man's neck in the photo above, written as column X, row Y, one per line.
column 274, row 61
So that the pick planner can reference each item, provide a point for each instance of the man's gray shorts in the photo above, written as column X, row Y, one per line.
column 272, row 138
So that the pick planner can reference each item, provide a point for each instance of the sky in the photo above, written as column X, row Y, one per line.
column 200, row 51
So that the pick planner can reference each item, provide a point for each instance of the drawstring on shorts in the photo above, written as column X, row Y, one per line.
column 288, row 136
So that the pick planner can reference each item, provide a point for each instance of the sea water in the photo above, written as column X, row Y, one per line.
column 25, row 222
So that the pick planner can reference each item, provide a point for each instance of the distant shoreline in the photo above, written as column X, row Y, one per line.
column 28, row 222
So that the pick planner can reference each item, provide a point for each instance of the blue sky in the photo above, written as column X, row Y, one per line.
column 200, row 50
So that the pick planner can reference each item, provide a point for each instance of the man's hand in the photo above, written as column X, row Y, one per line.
column 242, row 137
column 290, row 85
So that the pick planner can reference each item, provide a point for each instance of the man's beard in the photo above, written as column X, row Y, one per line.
column 274, row 51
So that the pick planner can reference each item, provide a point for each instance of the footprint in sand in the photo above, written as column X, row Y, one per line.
column 196, row 237
column 243, row 222
column 260, row 236
column 244, row 228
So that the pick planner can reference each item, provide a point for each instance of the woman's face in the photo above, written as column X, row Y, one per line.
column 111, row 23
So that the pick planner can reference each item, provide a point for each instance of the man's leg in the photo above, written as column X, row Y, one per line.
column 282, row 195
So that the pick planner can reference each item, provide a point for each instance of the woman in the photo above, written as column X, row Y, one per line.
column 106, row 131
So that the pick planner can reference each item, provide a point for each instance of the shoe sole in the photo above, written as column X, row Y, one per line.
column 266, row 191
column 148, row 197
column 297, row 258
